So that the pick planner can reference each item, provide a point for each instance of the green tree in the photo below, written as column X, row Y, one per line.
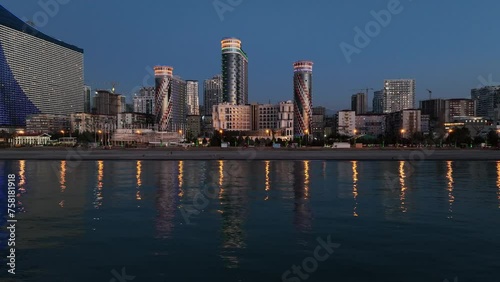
column 492, row 138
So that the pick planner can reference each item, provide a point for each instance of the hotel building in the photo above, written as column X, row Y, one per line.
column 234, row 72
column 38, row 74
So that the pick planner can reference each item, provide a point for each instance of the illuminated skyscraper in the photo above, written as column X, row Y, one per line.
column 212, row 94
column 302, row 86
column 38, row 74
column 234, row 72
column 399, row 94
column 170, row 100
column 193, row 104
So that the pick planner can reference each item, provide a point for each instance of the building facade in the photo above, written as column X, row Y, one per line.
column 425, row 123
column 170, row 100
column 87, row 99
column 399, row 94
column 212, row 93
column 459, row 108
column 108, row 103
column 346, row 123
column 371, row 124
column 192, row 98
column 302, row 87
column 132, row 121
column 83, row 122
column 230, row 117
column 378, row 102
column 404, row 123
column 234, row 72
column 286, row 119
column 271, row 119
column 47, row 123
column 435, row 109
column 38, row 74
column 318, row 122
column 359, row 103
column 193, row 129
column 487, row 99
column 144, row 101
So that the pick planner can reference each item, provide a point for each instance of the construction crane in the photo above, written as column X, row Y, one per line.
column 113, row 86
column 430, row 94
column 367, row 90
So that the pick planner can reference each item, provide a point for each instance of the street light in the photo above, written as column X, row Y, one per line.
column 402, row 135
column 100, row 132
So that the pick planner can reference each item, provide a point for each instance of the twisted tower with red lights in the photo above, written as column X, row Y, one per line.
column 302, row 87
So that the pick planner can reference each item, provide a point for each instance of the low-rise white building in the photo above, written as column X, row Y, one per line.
column 346, row 123
column 32, row 140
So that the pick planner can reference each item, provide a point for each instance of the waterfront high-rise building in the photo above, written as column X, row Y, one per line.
column 234, row 72
column 170, row 100
column 87, row 105
column 144, row 101
column 302, row 86
column 192, row 100
column 487, row 100
column 163, row 96
column 38, row 74
column 399, row 94
column 212, row 93
column 378, row 102
column 359, row 103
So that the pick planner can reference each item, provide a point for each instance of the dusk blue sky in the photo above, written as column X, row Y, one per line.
column 445, row 45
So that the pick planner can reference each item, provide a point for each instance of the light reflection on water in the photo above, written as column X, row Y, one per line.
column 449, row 176
column 355, row 186
column 273, row 211
column 498, row 183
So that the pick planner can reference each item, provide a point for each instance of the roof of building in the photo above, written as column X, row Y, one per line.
column 9, row 20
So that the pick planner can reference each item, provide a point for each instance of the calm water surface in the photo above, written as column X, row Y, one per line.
column 253, row 221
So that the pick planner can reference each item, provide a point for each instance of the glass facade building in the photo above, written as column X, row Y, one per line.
column 38, row 74
column 212, row 93
column 234, row 72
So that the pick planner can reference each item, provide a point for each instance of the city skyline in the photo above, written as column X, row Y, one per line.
column 395, row 53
